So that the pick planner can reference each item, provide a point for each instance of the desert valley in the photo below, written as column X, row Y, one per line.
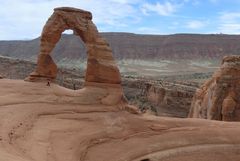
column 91, row 96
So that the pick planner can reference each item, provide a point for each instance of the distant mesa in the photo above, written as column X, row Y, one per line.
column 219, row 97
column 102, row 70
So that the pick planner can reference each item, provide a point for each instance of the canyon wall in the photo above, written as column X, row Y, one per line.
column 219, row 97
column 133, row 46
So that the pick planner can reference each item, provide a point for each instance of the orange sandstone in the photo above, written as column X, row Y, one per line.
column 219, row 97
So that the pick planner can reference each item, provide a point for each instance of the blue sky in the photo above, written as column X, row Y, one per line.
column 24, row 19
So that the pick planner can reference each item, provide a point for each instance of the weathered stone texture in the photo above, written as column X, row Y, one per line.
column 101, row 67
column 219, row 97
column 102, row 73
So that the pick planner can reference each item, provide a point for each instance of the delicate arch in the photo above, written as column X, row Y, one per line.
column 101, row 67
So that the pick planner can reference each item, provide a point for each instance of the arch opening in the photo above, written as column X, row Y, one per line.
column 101, row 67
column 72, row 68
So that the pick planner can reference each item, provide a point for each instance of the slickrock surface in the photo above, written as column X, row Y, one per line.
column 219, row 97
column 40, row 122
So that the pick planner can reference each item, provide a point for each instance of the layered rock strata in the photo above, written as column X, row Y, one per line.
column 101, row 71
column 219, row 97
column 39, row 124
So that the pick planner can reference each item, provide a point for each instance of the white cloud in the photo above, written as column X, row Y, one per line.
column 127, row 1
column 163, row 9
column 229, row 16
column 229, row 22
column 196, row 2
column 195, row 24
column 213, row 1
column 233, row 28
column 193, row 2
column 25, row 18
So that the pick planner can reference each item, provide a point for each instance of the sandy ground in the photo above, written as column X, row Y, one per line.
column 41, row 123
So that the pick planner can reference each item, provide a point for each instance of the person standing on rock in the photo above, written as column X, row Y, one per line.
column 48, row 83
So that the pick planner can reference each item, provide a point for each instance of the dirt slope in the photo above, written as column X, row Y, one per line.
column 42, row 123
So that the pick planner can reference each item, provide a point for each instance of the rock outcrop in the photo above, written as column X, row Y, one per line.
column 219, row 97
column 38, row 125
column 101, row 71
column 162, row 97
column 169, row 99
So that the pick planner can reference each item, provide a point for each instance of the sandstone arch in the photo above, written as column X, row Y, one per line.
column 102, row 71
column 101, row 67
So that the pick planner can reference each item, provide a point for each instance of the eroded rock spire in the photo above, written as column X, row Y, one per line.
column 219, row 97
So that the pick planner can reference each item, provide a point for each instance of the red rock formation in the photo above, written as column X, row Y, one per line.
column 219, row 97
column 169, row 99
column 101, row 67
column 101, row 71
column 155, row 94
column 37, row 125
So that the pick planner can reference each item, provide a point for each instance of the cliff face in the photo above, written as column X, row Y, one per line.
column 133, row 46
column 165, row 98
column 171, row 99
column 219, row 97
column 155, row 94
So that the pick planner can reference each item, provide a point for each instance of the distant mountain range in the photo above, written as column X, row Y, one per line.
column 134, row 46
